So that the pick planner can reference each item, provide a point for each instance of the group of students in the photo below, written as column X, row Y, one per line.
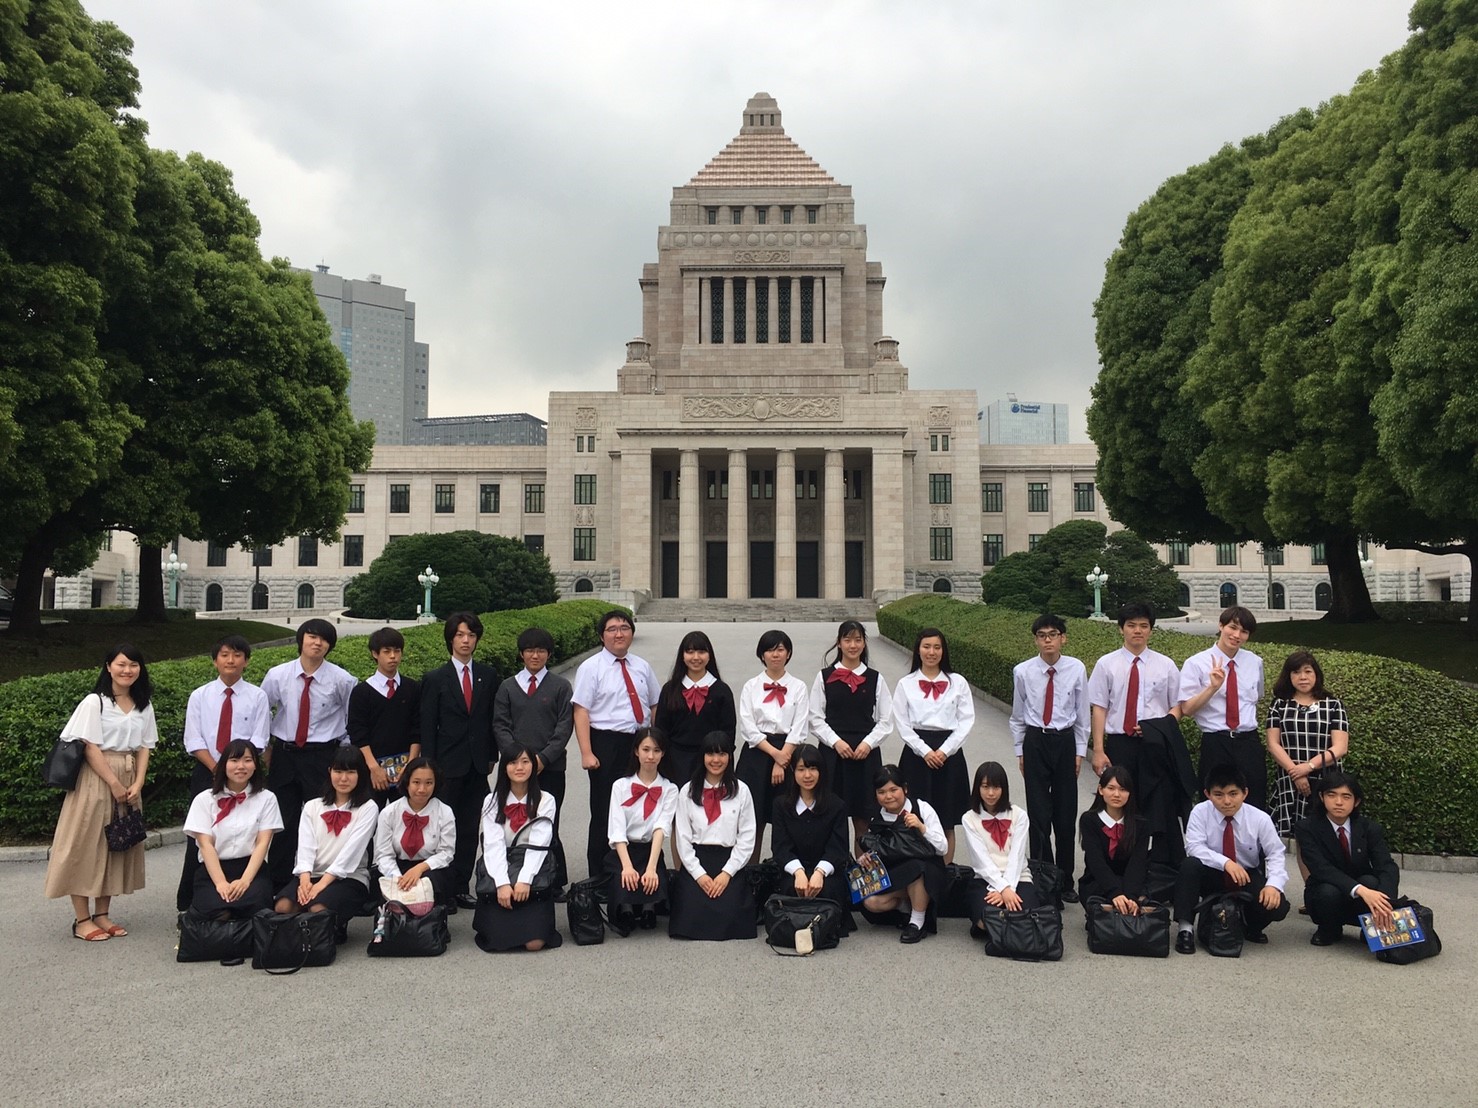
column 301, row 783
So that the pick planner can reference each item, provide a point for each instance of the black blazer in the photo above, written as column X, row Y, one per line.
column 1111, row 877
column 810, row 837
column 459, row 741
column 1370, row 861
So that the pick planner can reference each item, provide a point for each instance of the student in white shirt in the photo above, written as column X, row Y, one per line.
column 643, row 804
column 416, row 835
column 517, row 813
column 933, row 712
column 1220, row 689
column 232, row 824
column 918, row 882
column 996, row 836
column 714, row 833
column 772, row 723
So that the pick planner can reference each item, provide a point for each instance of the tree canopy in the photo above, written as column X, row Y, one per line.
column 1053, row 577
column 478, row 572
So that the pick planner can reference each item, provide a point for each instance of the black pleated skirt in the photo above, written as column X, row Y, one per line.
column 498, row 928
column 207, row 902
column 641, row 854
column 697, row 916
column 852, row 780
column 754, row 770
column 946, row 789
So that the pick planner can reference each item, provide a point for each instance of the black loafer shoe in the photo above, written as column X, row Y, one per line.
column 560, row 896
column 1257, row 937
column 1325, row 938
column 466, row 900
column 912, row 934
column 451, row 909
column 232, row 961
column 1070, row 896
column 1185, row 943
column 649, row 919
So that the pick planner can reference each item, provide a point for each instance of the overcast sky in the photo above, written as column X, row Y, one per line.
column 509, row 164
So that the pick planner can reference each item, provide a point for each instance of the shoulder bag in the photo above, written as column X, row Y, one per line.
column 1032, row 935
column 543, row 883
column 802, row 924
column 402, row 933
column 207, row 939
column 1146, row 935
column 283, row 944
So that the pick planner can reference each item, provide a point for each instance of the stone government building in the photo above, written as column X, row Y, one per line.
column 762, row 441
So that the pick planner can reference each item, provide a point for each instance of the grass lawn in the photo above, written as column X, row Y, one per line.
column 65, row 646
column 1443, row 647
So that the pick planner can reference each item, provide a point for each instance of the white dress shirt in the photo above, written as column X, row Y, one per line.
column 759, row 717
column 952, row 711
column 250, row 716
column 628, row 823
column 882, row 711
column 1108, row 687
column 498, row 837
column 1252, row 830
column 440, row 834
column 236, row 835
column 328, row 701
column 601, row 690
column 1196, row 675
column 1069, row 700
column 734, row 828
column 1000, row 869
column 345, row 855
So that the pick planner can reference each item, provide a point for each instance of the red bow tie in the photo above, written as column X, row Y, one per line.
column 936, row 689
column 1114, row 832
column 337, row 820
column 696, row 696
column 844, row 676
column 226, row 804
column 413, row 838
column 518, row 815
column 652, row 793
column 711, row 798
column 776, row 692
column 999, row 829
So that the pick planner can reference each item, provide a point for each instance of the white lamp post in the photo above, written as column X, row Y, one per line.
column 428, row 581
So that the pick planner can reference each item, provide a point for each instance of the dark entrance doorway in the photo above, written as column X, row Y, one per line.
column 854, row 567
column 669, row 569
column 717, row 569
column 762, row 569
column 807, row 569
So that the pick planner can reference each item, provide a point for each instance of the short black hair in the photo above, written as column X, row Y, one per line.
column 235, row 749
column 237, row 643
column 320, row 627
column 535, row 638
column 1238, row 614
column 1049, row 622
column 1136, row 609
column 455, row 621
column 386, row 637
column 615, row 613
column 770, row 640
column 1228, row 773
column 1333, row 779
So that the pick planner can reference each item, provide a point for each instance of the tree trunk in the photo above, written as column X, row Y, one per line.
column 151, row 608
column 29, row 577
column 1350, row 597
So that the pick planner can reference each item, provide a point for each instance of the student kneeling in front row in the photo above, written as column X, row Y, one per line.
column 1230, row 847
column 1350, row 867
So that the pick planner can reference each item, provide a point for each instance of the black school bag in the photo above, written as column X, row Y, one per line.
column 1221, row 925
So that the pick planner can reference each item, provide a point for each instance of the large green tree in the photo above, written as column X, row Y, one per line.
column 478, row 572
column 1053, row 577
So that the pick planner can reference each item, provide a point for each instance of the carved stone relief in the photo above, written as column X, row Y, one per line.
column 586, row 418
column 761, row 257
column 939, row 515
column 584, row 517
column 762, row 407
column 939, row 415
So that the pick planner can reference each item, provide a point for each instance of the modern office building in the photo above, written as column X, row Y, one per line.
column 505, row 429
column 1013, row 422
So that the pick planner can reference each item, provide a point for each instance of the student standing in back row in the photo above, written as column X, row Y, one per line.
column 1220, row 688
column 385, row 717
column 933, row 712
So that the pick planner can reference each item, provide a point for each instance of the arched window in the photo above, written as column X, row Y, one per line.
column 941, row 584
column 1228, row 594
column 1323, row 596
column 585, row 584
column 1280, row 598
column 1183, row 595
column 305, row 596
column 259, row 597
column 212, row 598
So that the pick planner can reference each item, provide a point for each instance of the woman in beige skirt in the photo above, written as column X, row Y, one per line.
column 116, row 722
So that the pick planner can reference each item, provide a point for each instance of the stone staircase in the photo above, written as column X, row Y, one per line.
column 757, row 611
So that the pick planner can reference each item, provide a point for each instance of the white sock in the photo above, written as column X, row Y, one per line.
column 917, row 919
column 1186, row 928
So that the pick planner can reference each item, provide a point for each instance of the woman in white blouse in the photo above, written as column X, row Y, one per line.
column 933, row 712
column 416, row 835
column 516, row 812
column 116, row 725
column 714, row 832
column 232, row 824
column 772, row 723
column 642, row 806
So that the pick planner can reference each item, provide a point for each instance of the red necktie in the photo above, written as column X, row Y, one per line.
column 228, row 803
column 304, row 710
column 412, row 839
column 1344, row 843
column 389, row 688
column 844, row 676
column 533, row 683
column 1047, row 701
column 1234, row 707
column 775, row 692
column 1229, row 848
column 518, row 815
column 711, row 798
column 653, row 794
column 1131, row 700
column 696, row 696
column 337, row 819
column 467, row 687
column 223, row 728
column 1114, row 832
column 636, row 712
column 1000, row 830
column 936, row 689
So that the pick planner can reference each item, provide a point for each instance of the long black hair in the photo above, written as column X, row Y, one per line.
column 346, row 758
column 503, row 786
column 834, row 655
column 715, row 742
column 235, row 749
column 1121, row 776
column 672, row 692
column 633, row 764
column 142, row 689
column 930, row 633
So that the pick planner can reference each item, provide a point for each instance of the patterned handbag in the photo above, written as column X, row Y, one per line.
column 127, row 828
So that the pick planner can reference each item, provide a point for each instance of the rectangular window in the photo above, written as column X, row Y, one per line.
column 1037, row 497
column 717, row 484
column 579, row 444
column 354, row 550
column 1179, row 552
column 762, row 215
column 1272, row 554
column 356, row 498
column 736, row 216
column 782, row 322
column 669, row 484
column 1031, row 542
column 741, row 287
column 762, row 484
column 215, row 553
column 812, row 214
column 941, row 488
column 584, row 488
column 712, row 215
column 584, row 550
column 489, row 498
column 990, row 496
column 1316, row 555
column 857, row 484
column 941, row 544
column 716, row 310
column 1226, row 553
column 446, row 498
column 307, row 551
column 533, row 499
column 534, row 543
column 786, row 214
column 808, row 309
column 805, row 484
column 762, row 309
column 400, row 499
column 992, row 549
column 590, row 443
column 261, row 556
column 1083, row 496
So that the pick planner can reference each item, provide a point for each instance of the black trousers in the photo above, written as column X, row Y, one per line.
column 1166, row 847
column 1332, row 906
column 1242, row 749
column 613, row 749
column 1051, row 796
column 1197, row 881
column 297, row 775
column 201, row 780
column 552, row 781
column 464, row 795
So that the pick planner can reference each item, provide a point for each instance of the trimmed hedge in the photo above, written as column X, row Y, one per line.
column 33, row 709
column 1410, row 728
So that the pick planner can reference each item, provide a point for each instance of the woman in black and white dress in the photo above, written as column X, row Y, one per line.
column 417, row 834
column 933, row 712
column 851, row 714
column 334, row 833
column 1308, row 733
column 808, row 834
column 643, row 804
column 517, row 917
column 772, row 723
column 232, row 824
column 714, row 831
column 694, row 702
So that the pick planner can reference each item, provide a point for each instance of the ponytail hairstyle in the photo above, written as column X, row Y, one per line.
column 633, row 764
column 848, row 627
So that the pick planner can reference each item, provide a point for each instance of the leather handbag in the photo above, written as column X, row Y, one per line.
column 402, row 933
column 63, row 764
column 763, row 878
column 1221, row 925
column 802, row 924
column 1049, row 881
column 1032, row 935
column 1146, row 935
column 583, row 906
column 1415, row 952
column 126, row 829
column 893, row 842
column 542, row 884
column 208, row 939
column 283, row 944
column 955, row 903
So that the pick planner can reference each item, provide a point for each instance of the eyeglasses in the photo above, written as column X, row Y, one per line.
column 1049, row 635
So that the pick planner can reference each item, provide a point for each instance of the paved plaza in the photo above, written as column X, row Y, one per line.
column 649, row 1021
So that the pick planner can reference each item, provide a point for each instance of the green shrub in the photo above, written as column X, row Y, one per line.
column 33, row 709
column 1409, row 727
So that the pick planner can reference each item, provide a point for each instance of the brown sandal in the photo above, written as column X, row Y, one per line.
column 96, row 935
column 114, row 931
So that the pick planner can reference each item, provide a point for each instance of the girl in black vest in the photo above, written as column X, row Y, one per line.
column 694, row 702
column 851, row 714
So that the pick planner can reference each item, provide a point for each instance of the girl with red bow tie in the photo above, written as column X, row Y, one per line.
column 416, row 835
column 694, row 702
column 933, row 712
column 714, row 832
column 995, row 846
column 517, row 811
column 1116, row 845
column 642, row 806
column 851, row 715
column 232, row 824
column 773, row 711
column 334, row 833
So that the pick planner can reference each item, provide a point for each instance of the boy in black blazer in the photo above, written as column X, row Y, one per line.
column 457, row 734
column 1350, row 867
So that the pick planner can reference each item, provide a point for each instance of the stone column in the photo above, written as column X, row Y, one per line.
column 833, row 530
column 795, row 309
column 634, row 472
column 689, row 534
column 772, row 317
column 728, row 288
column 738, row 525
column 749, row 298
column 832, row 296
column 785, row 525
column 889, row 541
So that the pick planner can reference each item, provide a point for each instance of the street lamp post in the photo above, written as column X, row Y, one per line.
column 174, row 569
column 1098, row 579
column 428, row 581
